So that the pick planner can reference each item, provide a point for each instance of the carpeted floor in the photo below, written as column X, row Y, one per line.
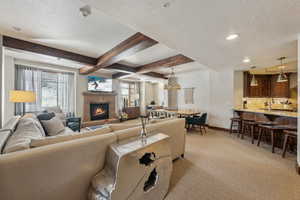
column 219, row 166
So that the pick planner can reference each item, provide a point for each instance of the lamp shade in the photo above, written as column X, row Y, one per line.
column 21, row 96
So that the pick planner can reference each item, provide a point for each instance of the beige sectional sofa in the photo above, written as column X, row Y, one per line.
column 56, row 169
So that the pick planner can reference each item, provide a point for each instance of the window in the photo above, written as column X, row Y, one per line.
column 52, row 89
column 130, row 92
column 49, row 91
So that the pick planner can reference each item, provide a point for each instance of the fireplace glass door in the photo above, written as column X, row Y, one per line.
column 99, row 111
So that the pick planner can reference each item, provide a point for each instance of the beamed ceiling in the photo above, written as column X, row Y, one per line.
column 97, row 41
column 192, row 30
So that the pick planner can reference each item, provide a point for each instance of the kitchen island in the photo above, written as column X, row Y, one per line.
column 282, row 117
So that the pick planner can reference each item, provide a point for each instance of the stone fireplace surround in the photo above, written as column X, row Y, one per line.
column 98, row 97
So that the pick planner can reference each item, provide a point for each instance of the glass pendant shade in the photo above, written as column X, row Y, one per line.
column 253, row 81
column 282, row 78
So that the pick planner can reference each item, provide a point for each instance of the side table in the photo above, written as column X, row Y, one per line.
column 135, row 170
column 74, row 123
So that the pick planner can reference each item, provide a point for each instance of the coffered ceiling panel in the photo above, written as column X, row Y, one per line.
column 268, row 29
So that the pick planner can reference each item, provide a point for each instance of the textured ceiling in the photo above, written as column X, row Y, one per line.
column 268, row 28
column 59, row 24
column 196, row 28
column 149, row 55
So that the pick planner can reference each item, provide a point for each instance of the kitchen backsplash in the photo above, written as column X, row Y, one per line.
column 277, row 103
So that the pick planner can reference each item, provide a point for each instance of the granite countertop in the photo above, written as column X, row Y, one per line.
column 271, row 112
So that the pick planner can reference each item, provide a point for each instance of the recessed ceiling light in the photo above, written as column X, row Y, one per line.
column 246, row 60
column 18, row 29
column 85, row 10
column 166, row 5
column 232, row 36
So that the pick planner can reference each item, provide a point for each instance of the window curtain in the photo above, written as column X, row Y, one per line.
column 65, row 93
column 51, row 88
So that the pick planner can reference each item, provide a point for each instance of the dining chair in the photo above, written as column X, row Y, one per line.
column 199, row 121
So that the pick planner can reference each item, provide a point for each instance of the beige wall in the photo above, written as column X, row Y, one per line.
column 238, row 88
column 214, row 94
column 199, row 80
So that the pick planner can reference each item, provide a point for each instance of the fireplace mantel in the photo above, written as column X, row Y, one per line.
column 99, row 97
column 99, row 94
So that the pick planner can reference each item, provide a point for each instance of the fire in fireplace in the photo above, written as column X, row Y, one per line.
column 99, row 111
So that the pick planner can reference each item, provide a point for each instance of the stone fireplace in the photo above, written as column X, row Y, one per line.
column 99, row 106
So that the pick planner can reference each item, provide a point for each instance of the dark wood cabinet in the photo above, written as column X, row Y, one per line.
column 279, row 89
column 132, row 112
column 261, row 90
column 267, row 87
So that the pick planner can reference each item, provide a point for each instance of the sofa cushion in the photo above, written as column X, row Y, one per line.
column 20, row 139
column 53, row 126
column 128, row 133
column 4, row 135
column 12, row 123
column 36, row 121
column 117, row 127
column 67, row 136
column 7, row 130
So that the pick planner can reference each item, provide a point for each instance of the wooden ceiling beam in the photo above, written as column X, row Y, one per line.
column 155, row 75
column 119, row 75
column 124, row 70
column 45, row 50
column 128, row 47
column 168, row 62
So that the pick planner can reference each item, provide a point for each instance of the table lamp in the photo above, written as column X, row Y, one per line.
column 22, row 96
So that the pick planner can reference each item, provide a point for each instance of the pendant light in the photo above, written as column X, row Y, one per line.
column 253, row 82
column 282, row 77
column 172, row 82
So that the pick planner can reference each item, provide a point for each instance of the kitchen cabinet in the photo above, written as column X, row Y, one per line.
column 279, row 89
column 267, row 87
column 261, row 90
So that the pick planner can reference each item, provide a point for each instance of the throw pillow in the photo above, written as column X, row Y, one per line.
column 45, row 116
column 53, row 126
column 36, row 122
column 20, row 139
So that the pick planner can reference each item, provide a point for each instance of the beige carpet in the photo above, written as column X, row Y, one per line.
column 218, row 166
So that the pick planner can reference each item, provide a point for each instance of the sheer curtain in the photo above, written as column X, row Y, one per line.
column 51, row 88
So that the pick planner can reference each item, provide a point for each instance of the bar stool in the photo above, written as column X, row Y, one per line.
column 247, row 125
column 235, row 124
column 251, row 126
column 248, row 128
column 288, row 135
column 272, row 130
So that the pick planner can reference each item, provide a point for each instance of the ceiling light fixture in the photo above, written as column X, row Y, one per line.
column 172, row 82
column 166, row 5
column 246, row 60
column 282, row 77
column 232, row 36
column 85, row 10
column 253, row 82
